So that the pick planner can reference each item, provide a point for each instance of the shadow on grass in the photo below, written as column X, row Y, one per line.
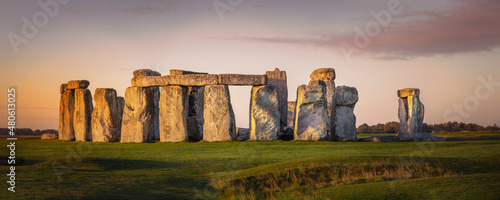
column 472, row 138
column 105, row 164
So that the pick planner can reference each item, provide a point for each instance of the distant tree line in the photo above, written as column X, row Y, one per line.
column 26, row 131
column 393, row 127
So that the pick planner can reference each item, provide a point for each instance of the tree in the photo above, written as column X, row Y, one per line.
column 391, row 127
column 363, row 128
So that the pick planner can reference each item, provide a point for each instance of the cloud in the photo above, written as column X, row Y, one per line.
column 146, row 7
column 468, row 27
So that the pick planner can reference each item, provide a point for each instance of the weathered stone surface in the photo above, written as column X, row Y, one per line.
column 411, row 112
column 330, row 98
column 195, row 113
column 194, row 79
column 66, row 115
column 264, row 113
column 83, row 115
column 145, row 72
column 287, row 133
column 277, row 79
column 153, row 79
column 378, row 139
column 121, row 105
column 324, row 74
column 219, row 124
column 193, row 130
column 49, row 136
column 243, row 134
column 290, row 113
column 311, row 117
column 136, row 119
column 77, row 84
column 183, row 72
column 104, row 116
column 408, row 92
column 155, row 113
column 242, row 79
column 345, row 124
column 411, row 117
column 317, row 82
column 344, row 128
column 346, row 96
column 173, row 114
column 63, row 87
column 150, row 81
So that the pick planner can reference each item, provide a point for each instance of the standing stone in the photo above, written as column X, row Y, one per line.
column 105, row 116
column 411, row 111
column 173, row 115
column 243, row 134
column 121, row 104
column 277, row 79
column 63, row 88
column 195, row 114
column 66, row 115
column 327, row 77
column 154, row 99
column 264, row 113
column 83, row 115
column 311, row 122
column 219, row 124
column 290, row 113
column 345, row 120
column 49, row 136
column 136, row 120
column 411, row 117
column 155, row 113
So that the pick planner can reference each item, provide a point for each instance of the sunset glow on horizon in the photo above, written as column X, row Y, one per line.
column 448, row 49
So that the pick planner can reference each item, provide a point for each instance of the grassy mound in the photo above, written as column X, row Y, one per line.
column 264, row 181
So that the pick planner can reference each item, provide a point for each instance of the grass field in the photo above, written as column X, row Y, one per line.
column 466, row 166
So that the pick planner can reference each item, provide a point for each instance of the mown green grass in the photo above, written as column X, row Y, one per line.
column 53, row 169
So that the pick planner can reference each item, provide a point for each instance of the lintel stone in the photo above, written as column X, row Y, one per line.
column 77, row 84
column 408, row 92
column 150, row 81
column 183, row 72
column 145, row 72
column 193, row 80
column 242, row 79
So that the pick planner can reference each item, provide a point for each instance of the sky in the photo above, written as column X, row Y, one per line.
column 449, row 49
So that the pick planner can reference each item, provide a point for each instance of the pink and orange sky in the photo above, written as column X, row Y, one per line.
column 448, row 49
